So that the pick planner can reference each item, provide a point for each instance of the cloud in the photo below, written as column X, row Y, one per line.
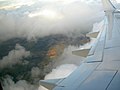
column 61, row 71
column 49, row 18
column 15, row 57
column 9, row 84
column 67, row 57
column 14, row 4
column 35, row 72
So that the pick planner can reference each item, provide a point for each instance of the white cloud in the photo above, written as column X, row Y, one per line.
column 67, row 57
column 15, row 57
column 61, row 71
column 14, row 4
column 9, row 84
column 65, row 18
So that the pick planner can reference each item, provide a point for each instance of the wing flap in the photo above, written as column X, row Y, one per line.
column 99, row 50
column 82, row 53
column 50, row 83
column 93, row 34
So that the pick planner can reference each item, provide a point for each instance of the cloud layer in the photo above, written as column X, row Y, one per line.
column 15, row 57
column 48, row 18
column 20, row 85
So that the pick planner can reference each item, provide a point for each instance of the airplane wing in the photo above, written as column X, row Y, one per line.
column 101, row 67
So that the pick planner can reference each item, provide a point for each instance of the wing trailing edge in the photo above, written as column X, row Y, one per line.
column 82, row 53
column 50, row 83
column 93, row 34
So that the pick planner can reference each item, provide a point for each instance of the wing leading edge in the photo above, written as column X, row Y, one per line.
column 101, row 67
